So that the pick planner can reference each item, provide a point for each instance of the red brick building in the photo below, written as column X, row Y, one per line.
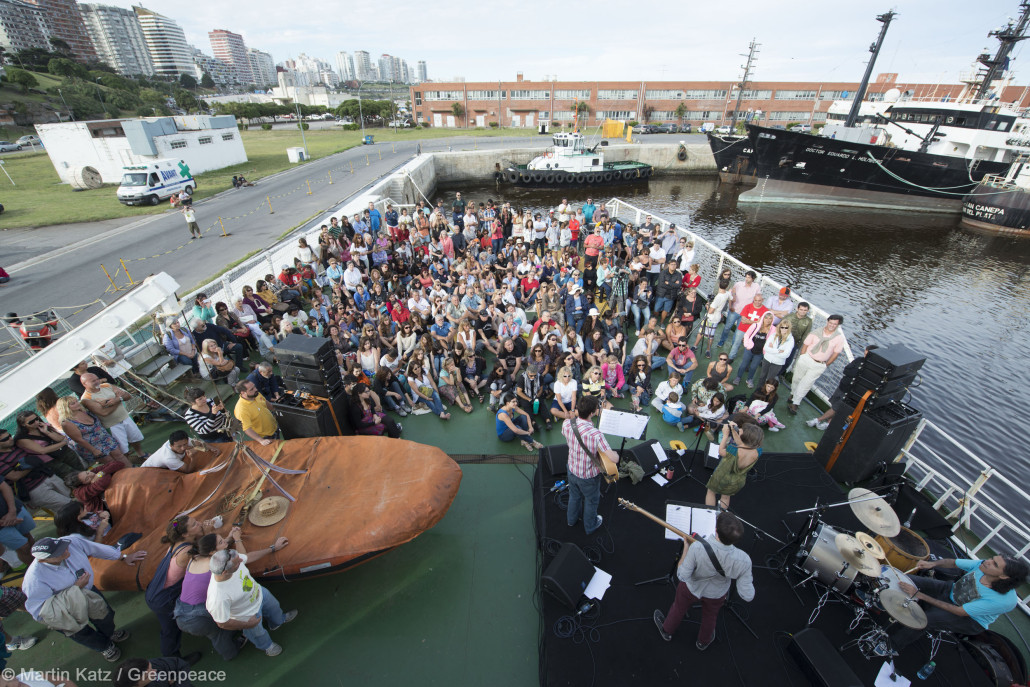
column 65, row 22
column 522, row 103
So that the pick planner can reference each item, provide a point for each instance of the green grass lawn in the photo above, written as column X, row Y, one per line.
column 40, row 199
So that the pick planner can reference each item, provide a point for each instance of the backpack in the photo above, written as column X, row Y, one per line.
column 157, row 595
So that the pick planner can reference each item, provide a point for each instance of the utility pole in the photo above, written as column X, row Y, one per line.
column 752, row 54
column 361, row 116
column 300, row 123
column 885, row 19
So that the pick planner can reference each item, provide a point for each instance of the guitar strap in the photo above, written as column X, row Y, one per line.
column 711, row 555
column 593, row 456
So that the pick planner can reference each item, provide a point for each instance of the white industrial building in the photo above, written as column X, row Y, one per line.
column 204, row 142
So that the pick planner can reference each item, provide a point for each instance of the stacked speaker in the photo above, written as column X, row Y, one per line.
column 307, row 364
column 885, row 424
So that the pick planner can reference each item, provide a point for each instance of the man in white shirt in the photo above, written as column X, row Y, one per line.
column 172, row 455
column 351, row 277
column 657, row 256
column 236, row 602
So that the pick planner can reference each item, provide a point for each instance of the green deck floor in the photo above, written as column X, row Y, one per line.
column 453, row 607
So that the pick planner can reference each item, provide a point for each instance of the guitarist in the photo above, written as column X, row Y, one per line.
column 585, row 442
column 706, row 570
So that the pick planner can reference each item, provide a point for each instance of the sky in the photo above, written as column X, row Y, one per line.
column 929, row 41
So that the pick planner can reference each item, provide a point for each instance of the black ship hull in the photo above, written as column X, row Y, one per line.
column 733, row 159
column 997, row 210
column 812, row 170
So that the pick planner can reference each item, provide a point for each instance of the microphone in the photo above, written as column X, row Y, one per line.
column 908, row 523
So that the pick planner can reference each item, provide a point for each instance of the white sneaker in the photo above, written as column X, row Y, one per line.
column 273, row 650
column 813, row 422
column 821, row 426
column 21, row 642
column 774, row 428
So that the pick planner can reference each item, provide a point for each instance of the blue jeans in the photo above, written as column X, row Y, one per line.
column 749, row 364
column 519, row 421
column 732, row 320
column 663, row 305
column 192, row 362
column 584, row 495
column 640, row 315
column 434, row 403
column 271, row 612
column 738, row 338
column 390, row 402
column 195, row 620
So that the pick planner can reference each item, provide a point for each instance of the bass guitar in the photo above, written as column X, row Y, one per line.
column 628, row 505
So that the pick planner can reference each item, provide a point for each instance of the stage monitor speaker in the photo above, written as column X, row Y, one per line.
column 567, row 575
column 331, row 375
column 311, row 351
column 557, row 459
column 298, row 422
column 820, row 661
column 891, row 362
column 878, row 437
column 644, row 454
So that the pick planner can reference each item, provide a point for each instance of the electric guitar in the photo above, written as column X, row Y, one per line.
column 633, row 507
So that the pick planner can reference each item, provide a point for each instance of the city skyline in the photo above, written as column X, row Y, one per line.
column 928, row 41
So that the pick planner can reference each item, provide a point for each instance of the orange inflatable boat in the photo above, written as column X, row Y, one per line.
column 355, row 498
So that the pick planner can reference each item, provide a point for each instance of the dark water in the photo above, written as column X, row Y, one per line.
column 958, row 297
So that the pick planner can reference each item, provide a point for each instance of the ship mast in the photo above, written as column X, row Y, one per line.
column 875, row 50
column 752, row 53
column 1008, row 36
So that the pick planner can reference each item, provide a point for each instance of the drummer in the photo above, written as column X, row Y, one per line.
column 968, row 606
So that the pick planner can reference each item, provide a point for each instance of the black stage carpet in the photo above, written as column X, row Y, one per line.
column 621, row 646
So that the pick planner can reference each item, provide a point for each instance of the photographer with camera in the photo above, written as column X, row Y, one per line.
column 735, row 461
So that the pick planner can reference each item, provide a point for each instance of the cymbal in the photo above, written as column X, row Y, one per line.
column 875, row 513
column 856, row 555
column 899, row 607
column 871, row 545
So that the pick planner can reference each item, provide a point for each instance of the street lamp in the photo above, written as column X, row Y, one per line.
column 360, row 115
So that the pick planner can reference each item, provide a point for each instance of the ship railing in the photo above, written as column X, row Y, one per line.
column 998, row 181
column 967, row 492
column 717, row 259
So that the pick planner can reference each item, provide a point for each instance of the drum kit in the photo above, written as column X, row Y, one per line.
column 864, row 569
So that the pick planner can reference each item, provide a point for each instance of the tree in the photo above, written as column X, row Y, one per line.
column 61, row 46
column 186, row 101
column 459, row 112
column 582, row 110
column 681, row 112
column 648, row 110
column 22, row 78
column 62, row 66
column 187, row 81
column 206, row 81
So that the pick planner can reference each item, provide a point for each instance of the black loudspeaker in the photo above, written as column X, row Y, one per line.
column 878, row 437
column 298, row 422
column 293, row 371
column 910, row 504
column 645, row 456
column 557, row 459
column 892, row 362
column 820, row 661
column 312, row 351
column 567, row 575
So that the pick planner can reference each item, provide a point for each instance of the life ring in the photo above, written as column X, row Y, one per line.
column 682, row 154
column 538, row 177
column 607, row 176
column 548, row 154
column 549, row 179
column 513, row 176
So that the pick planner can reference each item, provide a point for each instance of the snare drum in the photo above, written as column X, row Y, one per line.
column 824, row 562
column 891, row 578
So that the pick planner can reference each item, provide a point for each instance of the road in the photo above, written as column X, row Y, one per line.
column 61, row 266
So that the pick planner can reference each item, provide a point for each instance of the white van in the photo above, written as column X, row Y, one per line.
column 707, row 127
column 149, row 184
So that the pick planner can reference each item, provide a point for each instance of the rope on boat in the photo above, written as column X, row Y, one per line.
column 928, row 188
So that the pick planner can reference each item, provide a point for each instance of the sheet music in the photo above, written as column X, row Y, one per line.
column 687, row 519
column 713, row 450
column 598, row 584
column 621, row 424
column 883, row 678
column 702, row 521
column 659, row 480
column 659, row 452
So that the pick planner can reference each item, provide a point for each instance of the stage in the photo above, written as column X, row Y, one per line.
column 618, row 644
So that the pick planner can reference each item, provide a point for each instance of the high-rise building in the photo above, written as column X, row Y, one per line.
column 66, row 24
column 363, row 66
column 169, row 52
column 230, row 48
column 345, row 66
column 22, row 26
column 117, row 38
column 222, row 73
column 262, row 66
column 421, row 75
column 386, row 68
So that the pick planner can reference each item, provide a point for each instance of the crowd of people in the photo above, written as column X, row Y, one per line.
column 543, row 317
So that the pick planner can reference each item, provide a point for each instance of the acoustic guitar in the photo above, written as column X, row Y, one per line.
column 609, row 470
column 633, row 507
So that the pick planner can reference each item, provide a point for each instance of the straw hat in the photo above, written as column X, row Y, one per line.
column 269, row 511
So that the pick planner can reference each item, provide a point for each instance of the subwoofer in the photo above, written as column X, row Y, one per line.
column 878, row 437
column 557, row 459
column 820, row 661
column 567, row 576
column 298, row 422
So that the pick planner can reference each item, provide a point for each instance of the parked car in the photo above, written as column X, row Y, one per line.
column 7, row 146
column 685, row 129
column 29, row 141
column 643, row 129
column 668, row 128
column 803, row 128
column 724, row 129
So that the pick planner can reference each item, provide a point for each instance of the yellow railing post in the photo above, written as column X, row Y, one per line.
column 222, row 225
column 330, row 177
column 352, row 167
column 309, row 186
column 270, row 210
column 131, row 282
column 380, row 155
column 108, row 275
column 367, row 162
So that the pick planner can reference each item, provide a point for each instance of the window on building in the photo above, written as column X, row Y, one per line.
column 699, row 115
column 485, row 95
column 572, row 94
column 836, row 95
column 794, row 95
column 663, row 116
column 444, row 95
column 228, row 137
column 177, row 144
column 664, row 94
column 204, row 140
column 108, row 132
column 616, row 114
column 819, row 117
column 616, row 94
column 530, row 95
column 789, row 116
column 750, row 94
column 704, row 94
column 564, row 116
column 543, row 115
column 418, row 98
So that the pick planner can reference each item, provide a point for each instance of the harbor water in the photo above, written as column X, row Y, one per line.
column 957, row 297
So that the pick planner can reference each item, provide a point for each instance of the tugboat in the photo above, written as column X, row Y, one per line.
column 571, row 163
column 920, row 155
column 1001, row 204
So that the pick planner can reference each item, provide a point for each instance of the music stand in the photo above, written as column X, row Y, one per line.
column 623, row 424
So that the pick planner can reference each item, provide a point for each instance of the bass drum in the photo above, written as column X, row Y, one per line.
column 824, row 562
column 998, row 658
